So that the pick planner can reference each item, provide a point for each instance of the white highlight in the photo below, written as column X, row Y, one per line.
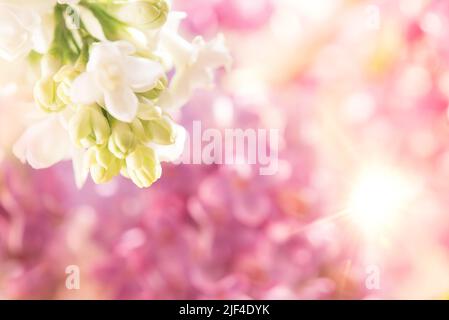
column 379, row 197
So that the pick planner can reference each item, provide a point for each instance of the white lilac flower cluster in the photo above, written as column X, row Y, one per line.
column 110, row 72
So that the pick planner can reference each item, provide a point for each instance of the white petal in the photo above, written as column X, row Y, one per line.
column 92, row 25
column 181, row 89
column 103, row 53
column 125, row 47
column 122, row 104
column 196, row 71
column 142, row 74
column 44, row 144
column 42, row 36
column 180, row 50
column 172, row 153
column 109, row 52
column 84, row 89
column 65, row 116
column 170, row 43
column 15, row 37
column 213, row 54
column 174, row 20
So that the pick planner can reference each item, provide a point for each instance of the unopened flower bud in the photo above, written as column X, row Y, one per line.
column 160, row 131
column 148, row 14
column 64, row 78
column 125, row 137
column 143, row 167
column 89, row 127
column 63, row 93
column 157, row 90
column 45, row 95
column 67, row 73
column 103, row 164
column 148, row 111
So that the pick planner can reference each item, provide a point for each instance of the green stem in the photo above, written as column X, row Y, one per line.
column 64, row 45
column 112, row 27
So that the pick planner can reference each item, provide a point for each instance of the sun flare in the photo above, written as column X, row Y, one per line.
column 380, row 197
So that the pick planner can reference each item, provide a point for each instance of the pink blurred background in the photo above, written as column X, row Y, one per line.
column 358, row 209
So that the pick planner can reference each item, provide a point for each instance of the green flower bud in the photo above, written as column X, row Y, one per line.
column 45, row 95
column 143, row 167
column 103, row 165
column 89, row 127
column 157, row 90
column 125, row 137
column 160, row 131
column 63, row 93
column 147, row 14
column 148, row 111
column 64, row 78
column 158, row 127
column 139, row 130
column 67, row 73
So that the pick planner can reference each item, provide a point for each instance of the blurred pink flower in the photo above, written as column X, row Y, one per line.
column 206, row 17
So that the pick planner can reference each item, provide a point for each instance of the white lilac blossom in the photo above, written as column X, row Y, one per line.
column 113, row 77
column 23, row 28
column 108, row 82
